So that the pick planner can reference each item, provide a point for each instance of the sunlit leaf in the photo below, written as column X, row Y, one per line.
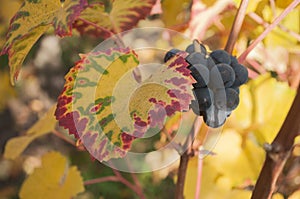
column 264, row 104
column 32, row 20
column 283, row 3
column 54, row 179
column 295, row 195
column 175, row 13
column 103, row 105
column 15, row 146
column 123, row 15
column 214, row 184
column 279, row 37
column 272, row 101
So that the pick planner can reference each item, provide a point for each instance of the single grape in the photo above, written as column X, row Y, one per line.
column 214, row 117
column 220, row 56
column 226, row 100
column 237, row 89
column 210, row 63
column 241, row 75
column 191, row 48
column 171, row 53
column 233, row 60
column 196, row 58
column 221, row 75
column 203, row 98
column 201, row 75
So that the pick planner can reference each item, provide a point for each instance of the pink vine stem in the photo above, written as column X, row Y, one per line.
column 278, row 19
column 199, row 173
column 117, row 178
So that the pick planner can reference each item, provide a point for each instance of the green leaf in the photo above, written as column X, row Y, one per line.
column 104, row 106
column 123, row 15
column 54, row 179
column 15, row 146
column 32, row 20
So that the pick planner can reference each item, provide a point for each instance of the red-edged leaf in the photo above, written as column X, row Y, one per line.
column 123, row 16
column 104, row 106
column 33, row 19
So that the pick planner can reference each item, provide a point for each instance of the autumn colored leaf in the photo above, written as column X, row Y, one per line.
column 123, row 15
column 104, row 106
column 235, row 165
column 175, row 14
column 259, row 111
column 15, row 146
column 54, row 179
column 32, row 20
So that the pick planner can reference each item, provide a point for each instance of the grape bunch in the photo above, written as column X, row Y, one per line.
column 218, row 76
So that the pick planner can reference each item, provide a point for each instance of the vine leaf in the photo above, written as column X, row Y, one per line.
column 258, row 112
column 32, row 20
column 175, row 14
column 104, row 106
column 123, row 16
column 16, row 146
column 54, row 179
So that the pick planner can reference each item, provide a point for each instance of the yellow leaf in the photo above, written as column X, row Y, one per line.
column 295, row 195
column 33, row 19
column 238, row 159
column 241, row 117
column 104, row 106
column 16, row 146
column 175, row 13
column 214, row 184
column 272, row 101
column 264, row 104
column 54, row 179
column 123, row 15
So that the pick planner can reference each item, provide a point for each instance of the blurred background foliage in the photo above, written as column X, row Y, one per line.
column 238, row 155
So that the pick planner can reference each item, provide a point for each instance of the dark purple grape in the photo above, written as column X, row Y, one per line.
column 200, row 74
column 226, row 100
column 241, row 75
column 214, row 117
column 221, row 75
column 210, row 63
column 171, row 53
column 196, row 58
column 220, row 56
column 203, row 99
column 191, row 48
column 233, row 60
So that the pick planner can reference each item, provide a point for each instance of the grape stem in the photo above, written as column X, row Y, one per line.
column 278, row 152
column 237, row 25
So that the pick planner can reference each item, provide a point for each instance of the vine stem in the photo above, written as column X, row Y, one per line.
column 278, row 19
column 117, row 178
column 184, row 159
column 199, row 173
column 237, row 25
column 278, row 152
column 260, row 21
